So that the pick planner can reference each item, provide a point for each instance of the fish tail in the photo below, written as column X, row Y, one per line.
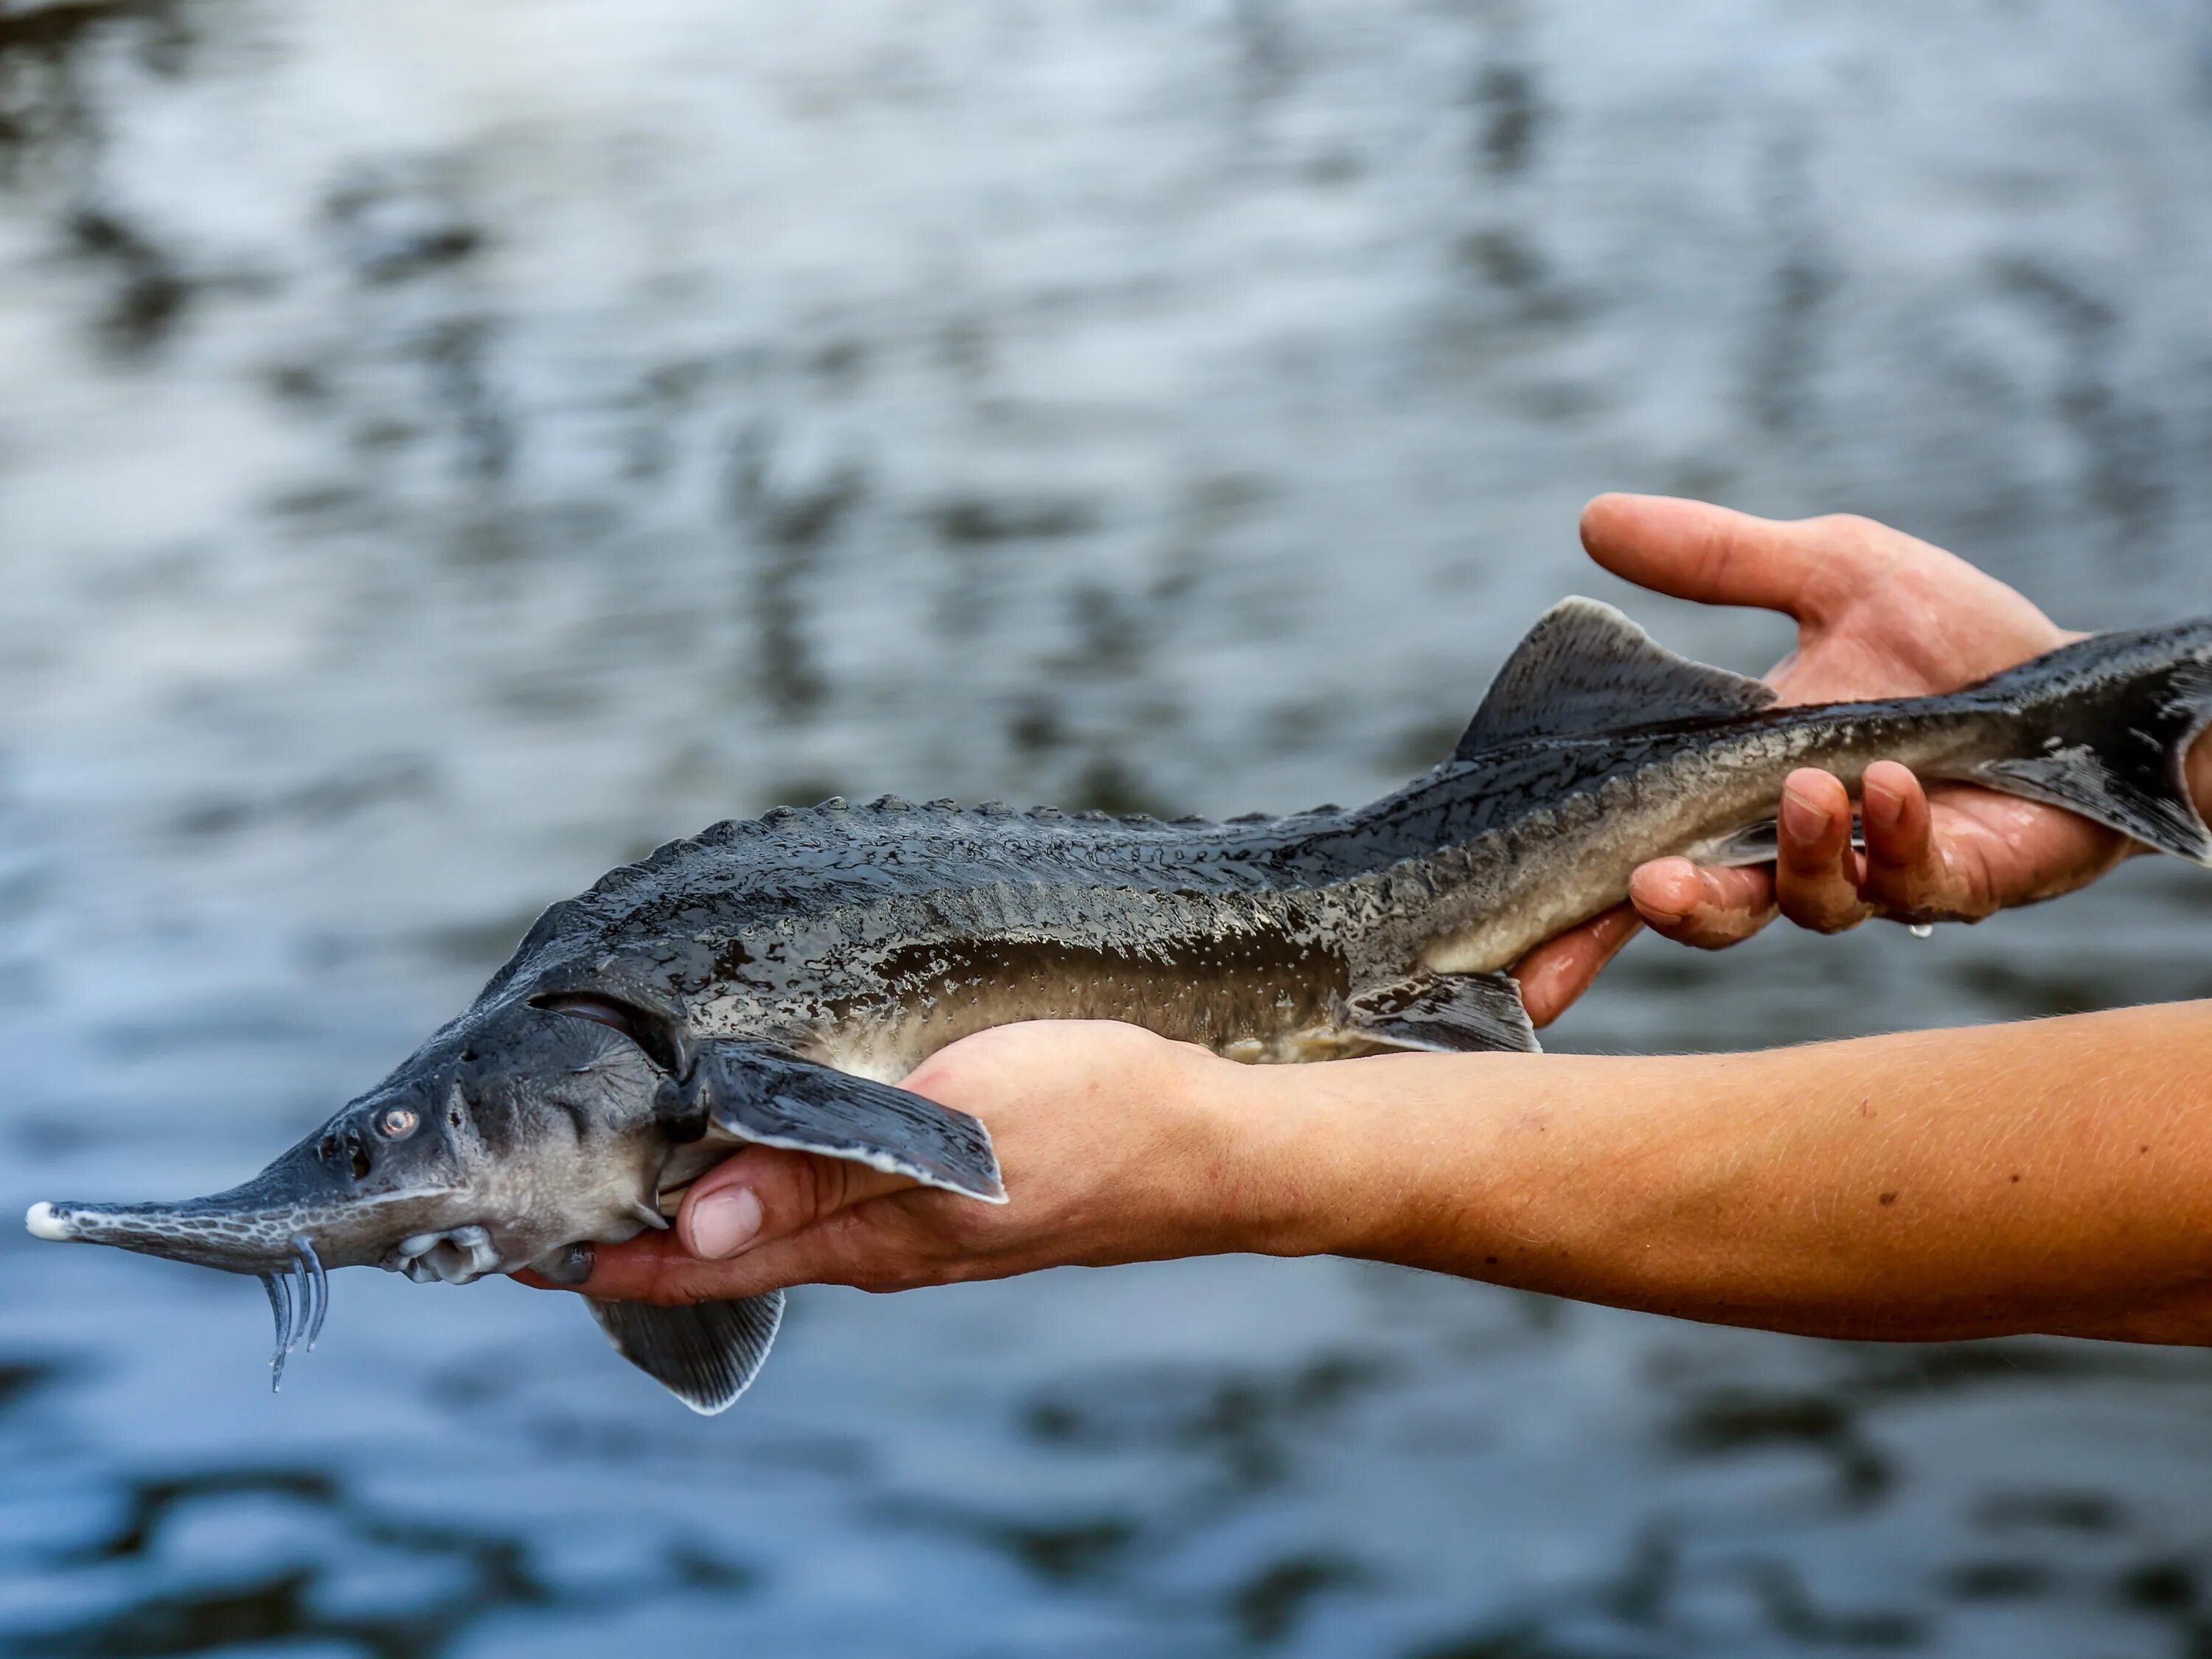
column 2106, row 726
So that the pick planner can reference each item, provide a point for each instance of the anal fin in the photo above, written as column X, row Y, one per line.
column 1446, row 1013
column 706, row 1354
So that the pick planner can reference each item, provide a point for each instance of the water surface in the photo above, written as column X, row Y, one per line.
column 446, row 449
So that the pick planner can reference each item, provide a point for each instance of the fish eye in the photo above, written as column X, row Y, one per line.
column 395, row 1122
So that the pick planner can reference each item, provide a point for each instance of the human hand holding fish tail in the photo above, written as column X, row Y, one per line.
column 1880, row 614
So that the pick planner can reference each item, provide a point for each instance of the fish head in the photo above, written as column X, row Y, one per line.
column 532, row 1123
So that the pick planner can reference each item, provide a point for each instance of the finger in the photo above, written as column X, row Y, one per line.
column 668, row 1275
column 766, row 1193
column 742, row 1207
column 1710, row 909
column 881, row 1244
column 749, row 1199
column 1695, row 550
column 656, row 1268
column 1560, row 969
column 1816, row 873
column 1905, row 875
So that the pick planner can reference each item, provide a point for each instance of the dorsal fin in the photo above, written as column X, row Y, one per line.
column 1585, row 668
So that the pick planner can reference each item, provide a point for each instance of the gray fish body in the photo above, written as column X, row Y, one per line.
column 869, row 936
column 767, row 981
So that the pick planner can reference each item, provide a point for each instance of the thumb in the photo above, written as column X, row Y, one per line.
column 766, row 1193
column 1714, row 555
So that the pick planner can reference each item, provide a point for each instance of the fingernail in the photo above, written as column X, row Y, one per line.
column 1883, row 806
column 1805, row 820
column 723, row 1223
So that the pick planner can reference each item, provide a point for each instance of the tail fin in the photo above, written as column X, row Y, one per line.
column 2118, row 713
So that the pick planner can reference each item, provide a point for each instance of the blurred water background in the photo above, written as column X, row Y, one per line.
column 447, row 448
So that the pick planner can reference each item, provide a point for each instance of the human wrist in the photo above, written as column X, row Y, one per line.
column 1318, row 1169
column 1222, row 1114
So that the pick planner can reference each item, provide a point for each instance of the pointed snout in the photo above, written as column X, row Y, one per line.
column 239, row 1237
column 250, row 1229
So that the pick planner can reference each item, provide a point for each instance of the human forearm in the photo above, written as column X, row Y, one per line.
column 2055, row 1177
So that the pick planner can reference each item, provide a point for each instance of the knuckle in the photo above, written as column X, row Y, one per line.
column 963, row 1235
column 1717, row 929
column 1710, row 938
column 1897, row 886
column 825, row 1184
column 1802, row 867
column 1820, row 912
column 1853, row 534
column 670, row 1288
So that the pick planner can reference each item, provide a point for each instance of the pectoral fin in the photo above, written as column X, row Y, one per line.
column 706, row 1354
column 1448, row 1013
column 762, row 1094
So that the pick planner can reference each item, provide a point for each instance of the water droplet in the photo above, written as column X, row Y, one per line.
column 1922, row 930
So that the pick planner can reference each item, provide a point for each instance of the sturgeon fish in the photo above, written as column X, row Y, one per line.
column 768, row 980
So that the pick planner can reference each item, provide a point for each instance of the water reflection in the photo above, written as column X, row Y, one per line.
column 446, row 451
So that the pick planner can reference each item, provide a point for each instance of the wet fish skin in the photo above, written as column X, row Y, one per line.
column 766, row 981
column 868, row 938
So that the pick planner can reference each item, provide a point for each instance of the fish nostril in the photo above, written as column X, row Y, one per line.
column 360, row 1157
column 329, row 1149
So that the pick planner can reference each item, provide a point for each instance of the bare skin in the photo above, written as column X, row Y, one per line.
column 2045, row 1177
column 1933, row 1185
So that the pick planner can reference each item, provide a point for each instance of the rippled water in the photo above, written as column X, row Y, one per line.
column 445, row 448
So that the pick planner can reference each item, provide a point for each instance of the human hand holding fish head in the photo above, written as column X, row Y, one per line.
column 1116, row 1145
column 1879, row 614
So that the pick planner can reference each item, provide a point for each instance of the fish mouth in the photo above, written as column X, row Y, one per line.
column 456, row 1256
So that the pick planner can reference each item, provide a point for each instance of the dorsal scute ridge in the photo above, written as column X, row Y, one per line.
column 1013, row 834
column 1584, row 669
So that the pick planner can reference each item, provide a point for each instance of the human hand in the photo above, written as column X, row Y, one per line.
column 1116, row 1146
column 1879, row 614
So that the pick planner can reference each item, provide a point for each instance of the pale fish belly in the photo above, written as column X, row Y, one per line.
column 1254, row 998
